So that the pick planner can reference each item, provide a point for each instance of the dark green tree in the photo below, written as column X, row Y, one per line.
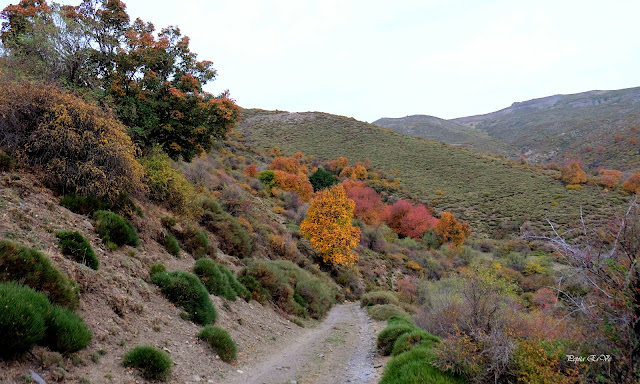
column 322, row 179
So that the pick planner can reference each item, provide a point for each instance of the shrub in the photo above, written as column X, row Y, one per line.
column 197, row 243
column 383, row 312
column 322, row 179
column 267, row 177
column 171, row 244
column 85, row 205
column 316, row 295
column 234, row 284
column 213, row 279
column 256, row 290
column 6, row 162
column 153, row 363
column 66, row 331
column 409, row 340
column 113, row 228
column 220, row 341
column 22, row 318
column 30, row 267
column 390, row 334
column 379, row 297
column 166, row 184
column 80, row 147
column 234, row 238
column 414, row 367
column 157, row 268
column 184, row 289
column 75, row 245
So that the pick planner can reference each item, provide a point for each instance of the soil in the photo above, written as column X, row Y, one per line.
column 124, row 310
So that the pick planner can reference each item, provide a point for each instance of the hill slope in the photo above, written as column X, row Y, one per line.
column 436, row 129
column 599, row 128
column 484, row 190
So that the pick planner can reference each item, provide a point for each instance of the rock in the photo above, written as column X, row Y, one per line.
column 239, row 371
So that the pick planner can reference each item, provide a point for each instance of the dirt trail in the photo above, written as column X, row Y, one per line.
column 339, row 350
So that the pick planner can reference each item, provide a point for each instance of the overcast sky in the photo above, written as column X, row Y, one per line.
column 370, row 59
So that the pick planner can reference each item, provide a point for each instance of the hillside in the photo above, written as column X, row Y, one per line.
column 598, row 128
column 489, row 192
column 445, row 131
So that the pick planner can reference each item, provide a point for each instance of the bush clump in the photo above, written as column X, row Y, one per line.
column 197, row 243
column 79, row 146
column 185, row 289
column 219, row 280
column 75, row 245
column 113, row 228
column 256, row 290
column 220, row 341
column 166, row 184
column 171, row 244
column 6, row 162
column 379, row 297
column 234, row 238
column 153, row 363
column 413, row 339
column 66, row 331
column 413, row 367
column 22, row 318
column 390, row 334
column 30, row 267
column 383, row 312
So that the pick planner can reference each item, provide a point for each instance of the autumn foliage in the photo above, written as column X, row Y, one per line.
column 78, row 147
column 294, row 182
column 408, row 220
column 328, row 226
column 632, row 184
column 573, row 174
column 449, row 230
column 609, row 177
column 368, row 204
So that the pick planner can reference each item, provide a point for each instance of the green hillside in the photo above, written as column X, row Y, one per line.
column 445, row 131
column 564, row 127
column 484, row 190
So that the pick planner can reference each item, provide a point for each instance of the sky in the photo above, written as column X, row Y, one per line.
column 371, row 59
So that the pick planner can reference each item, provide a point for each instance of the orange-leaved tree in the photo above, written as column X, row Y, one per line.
column 573, row 174
column 609, row 177
column 633, row 183
column 449, row 230
column 328, row 226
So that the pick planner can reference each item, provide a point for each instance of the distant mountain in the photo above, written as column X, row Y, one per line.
column 487, row 191
column 599, row 128
column 446, row 131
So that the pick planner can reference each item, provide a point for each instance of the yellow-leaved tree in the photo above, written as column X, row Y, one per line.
column 328, row 226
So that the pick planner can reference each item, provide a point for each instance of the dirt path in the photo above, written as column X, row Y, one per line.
column 339, row 350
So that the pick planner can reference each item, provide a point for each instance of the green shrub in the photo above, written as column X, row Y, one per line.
column 153, row 363
column 75, row 245
column 166, row 184
column 157, row 268
column 256, row 290
column 66, row 331
column 267, row 177
column 221, row 342
column 378, row 297
column 6, row 162
column 30, row 267
column 197, row 243
column 235, row 286
column 22, row 318
column 85, row 205
column 234, row 238
column 384, row 311
column 322, row 179
column 390, row 334
column 213, row 279
column 317, row 295
column 413, row 367
column 113, row 228
column 185, row 289
column 171, row 244
column 413, row 339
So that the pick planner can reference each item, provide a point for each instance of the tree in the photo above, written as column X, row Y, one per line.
column 417, row 221
column 632, row 184
column 294, row 182
column 328, row 226
column 449, row 230
column 609, row 177
column 573, row 174
column 153, row 80
column 368, row 204
column 322, row 179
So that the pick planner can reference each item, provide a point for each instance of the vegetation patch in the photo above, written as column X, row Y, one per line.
column 153, row 363
column 171, row 244
column 234, row 238
column 22, row 318
column 219, row 280
column 220, row 341
column 112, row 228
column 66, row 331
column 30, row 267
column 413, row 367
column 410, row 340
column 75, row 245
column 379, row 297
column 185, row 289
column 383, row 312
